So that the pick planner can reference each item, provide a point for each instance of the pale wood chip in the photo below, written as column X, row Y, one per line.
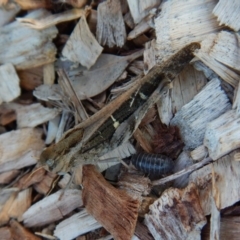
column 9, row 83
column 140, row 9
column 193, row 117
column 110, row 25
column 7, row 15
column 227, row 181
column 183, row 22
column 53, row 126
column 20, row 148
column 52, row 19
column 20, row 204
column 52, row 208
column 27, row 48
column 49, row 74
column 34, row 115
column 82, row 47
column 221, row 53
column 227, row 13
column 79, row 224
column 199, row 153
column 221, row 135
column 185, row 86
column 179, row 208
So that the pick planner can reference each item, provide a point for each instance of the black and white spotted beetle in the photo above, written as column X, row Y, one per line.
column 153, row 164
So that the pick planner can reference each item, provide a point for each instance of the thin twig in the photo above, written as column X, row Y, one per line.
column 182, row 172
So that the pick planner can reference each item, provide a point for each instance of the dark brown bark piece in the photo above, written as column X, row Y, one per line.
column 112, row 208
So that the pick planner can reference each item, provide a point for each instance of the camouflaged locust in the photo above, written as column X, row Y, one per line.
column 87, row 141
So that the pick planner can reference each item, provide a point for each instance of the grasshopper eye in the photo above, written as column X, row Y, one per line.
column 50, row 162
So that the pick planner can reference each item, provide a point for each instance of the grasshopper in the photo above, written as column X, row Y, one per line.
column 116, row 122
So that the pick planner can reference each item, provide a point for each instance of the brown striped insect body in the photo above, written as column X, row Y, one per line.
column 153, row 164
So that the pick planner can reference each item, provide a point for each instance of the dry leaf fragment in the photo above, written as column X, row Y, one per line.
column 113, row 208
column 82, row 47
column 9, row 83
column 106, row 70
column 110, row 25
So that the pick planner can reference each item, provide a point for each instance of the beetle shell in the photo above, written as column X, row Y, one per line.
column 153, row 164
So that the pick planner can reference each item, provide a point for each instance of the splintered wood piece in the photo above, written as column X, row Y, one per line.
column 229, row 228
column 19, row 232
column 145, row 25
column 27, row 48
column 221, row 53
column 110, row 25
column 185, row 86
column 142, row 232
column 82, row 47
column 222, row 135
column 228, row 13
column 20, row 204
column 79, row 224
column 5, row 233
column 193, row 117
column 177, row 214
column 52, row 208
column 46, row 184
column 6, row 177
column 9, row 83
column 34, row 115
column 31, row 178
column 183, row 22
column 52, row 19
column 20, row 148
column 227, row 180
column 135, row 185
column 31, row 78
column 112, row 208
column 33, row 4
column 142, row 140
column 139, row 10
column 149, row 56
column 164, row 107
